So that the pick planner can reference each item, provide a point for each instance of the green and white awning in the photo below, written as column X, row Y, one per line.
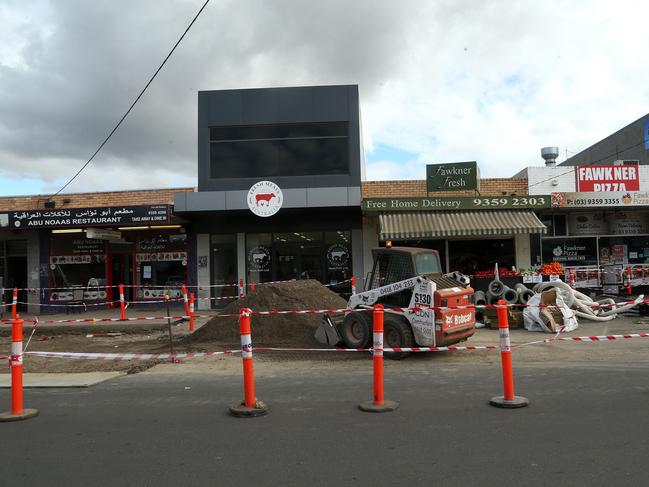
column 438, row 224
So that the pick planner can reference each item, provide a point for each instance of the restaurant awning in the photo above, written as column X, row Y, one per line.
column 437, row 224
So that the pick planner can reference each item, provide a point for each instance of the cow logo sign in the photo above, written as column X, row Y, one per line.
column 265, row 198
column 337, row 257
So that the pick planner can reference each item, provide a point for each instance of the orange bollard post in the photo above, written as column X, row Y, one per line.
column 252, row 286
column 122, row 304
column 250, row 406
column 379, row 405
column 183, row 289
column 17, row 412
column 241, row 290
column 353, row 285
column 629, row 289
column 14, row 304
column 191, row 312
column 508, row 400
column 571, row 278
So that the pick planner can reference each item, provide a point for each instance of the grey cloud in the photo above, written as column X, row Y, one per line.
column 85, row 66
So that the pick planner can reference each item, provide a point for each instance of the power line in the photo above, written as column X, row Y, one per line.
column 132, row 104
column 589, row 164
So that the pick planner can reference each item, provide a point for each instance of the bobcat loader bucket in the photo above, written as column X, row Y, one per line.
column 327, row 333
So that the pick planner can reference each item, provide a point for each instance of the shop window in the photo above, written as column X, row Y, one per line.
column 259, row 257
column 77, row 263
column 338, row 256
column 624, row 250
column 324, row 256
column 570, row 251
column 560, row 225
column 279, row 131
column 304, row 149
column 161, row 266
column 224, row 267
column 471, row 256
column 277, row 158
column 83, row 271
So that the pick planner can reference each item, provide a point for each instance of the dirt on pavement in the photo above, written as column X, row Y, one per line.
column 273, row 330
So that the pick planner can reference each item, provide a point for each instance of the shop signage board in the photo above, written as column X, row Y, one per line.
column 575, row 251
column 81, row 217
column 456, row 176
column 607, row 178
column 265, row 198
column 594, row 223
column 442, row 203
column 103, row 234
column 618, row 199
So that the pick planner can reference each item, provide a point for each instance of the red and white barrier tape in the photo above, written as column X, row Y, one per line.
column 188, row 355
column 599, row 338
column 103, row 320
column 161, row 286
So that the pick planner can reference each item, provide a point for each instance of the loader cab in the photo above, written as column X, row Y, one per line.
column 395, row 264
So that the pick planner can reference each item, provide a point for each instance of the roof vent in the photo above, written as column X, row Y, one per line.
column 550, row 155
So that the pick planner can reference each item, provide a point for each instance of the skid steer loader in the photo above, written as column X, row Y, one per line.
column 405, row 278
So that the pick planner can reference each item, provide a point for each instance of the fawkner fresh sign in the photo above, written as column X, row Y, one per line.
column 595, row 179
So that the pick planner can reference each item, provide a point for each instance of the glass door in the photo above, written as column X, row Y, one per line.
column 224, row 268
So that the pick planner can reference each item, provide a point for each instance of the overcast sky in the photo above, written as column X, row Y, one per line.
column 440, row 81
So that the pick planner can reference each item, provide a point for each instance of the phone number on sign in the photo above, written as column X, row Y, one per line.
column 537, row 201
column 593, row 201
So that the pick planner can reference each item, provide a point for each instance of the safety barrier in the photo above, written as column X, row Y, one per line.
column 508, row 399
column 379, row 404
column 18, row 411
column 251, row 406
column 334, row 311
column 166, row 286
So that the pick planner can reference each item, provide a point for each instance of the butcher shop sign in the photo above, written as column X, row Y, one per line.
column 265, row 198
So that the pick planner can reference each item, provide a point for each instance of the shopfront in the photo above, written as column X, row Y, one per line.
column 149, row 263
column 599, row 244
column 278, row 194
column 83, row 254
column 599, row 221
column 479, row 233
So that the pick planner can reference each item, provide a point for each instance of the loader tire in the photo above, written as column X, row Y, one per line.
column 356, row 330
column 397, row 334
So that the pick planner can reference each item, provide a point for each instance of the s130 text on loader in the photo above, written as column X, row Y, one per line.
column 406, row 278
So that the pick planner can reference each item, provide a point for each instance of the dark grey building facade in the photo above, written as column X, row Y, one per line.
column 628, row 143
column 302, row 147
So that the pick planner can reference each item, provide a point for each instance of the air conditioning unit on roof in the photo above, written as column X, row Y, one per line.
column 626, row 162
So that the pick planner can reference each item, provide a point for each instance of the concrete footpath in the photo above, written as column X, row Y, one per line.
column 84, row 379
column 586, row 425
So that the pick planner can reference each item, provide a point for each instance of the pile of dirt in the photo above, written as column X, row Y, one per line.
column 274, row 330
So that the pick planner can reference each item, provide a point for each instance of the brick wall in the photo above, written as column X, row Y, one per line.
column 417, row 188
column 81, row 200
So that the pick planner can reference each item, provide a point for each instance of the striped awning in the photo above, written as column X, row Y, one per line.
column 436, row 224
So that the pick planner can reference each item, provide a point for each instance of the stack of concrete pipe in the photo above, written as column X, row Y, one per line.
column 498, row 290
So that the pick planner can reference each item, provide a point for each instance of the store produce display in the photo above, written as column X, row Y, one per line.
column 554, row 268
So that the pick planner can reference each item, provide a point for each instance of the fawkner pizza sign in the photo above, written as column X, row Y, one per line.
column 594, row 179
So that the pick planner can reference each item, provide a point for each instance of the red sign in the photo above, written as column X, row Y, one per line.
column 595, row 179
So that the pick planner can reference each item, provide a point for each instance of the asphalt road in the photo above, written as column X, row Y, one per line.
column 586, row 425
